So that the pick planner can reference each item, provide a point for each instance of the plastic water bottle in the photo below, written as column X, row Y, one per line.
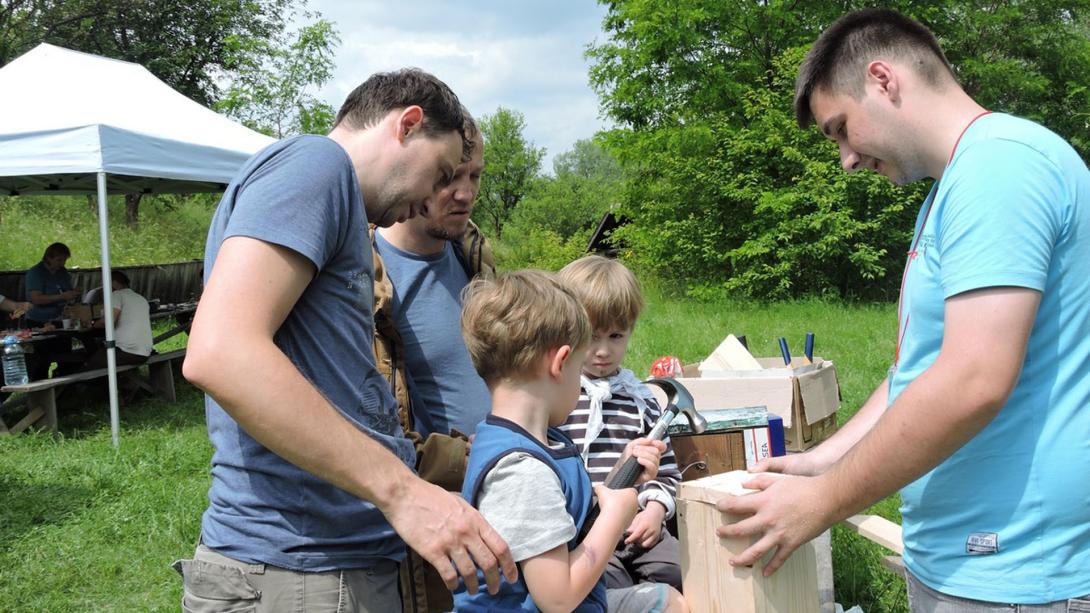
column 14, row 362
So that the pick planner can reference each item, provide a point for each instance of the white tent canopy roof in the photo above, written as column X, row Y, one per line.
column 66, row 115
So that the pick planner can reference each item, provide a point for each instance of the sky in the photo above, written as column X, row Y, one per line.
column 525, row 55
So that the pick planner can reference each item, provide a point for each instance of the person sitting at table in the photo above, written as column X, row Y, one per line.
column 49, row 286
column 13, row 307
column 132, row 326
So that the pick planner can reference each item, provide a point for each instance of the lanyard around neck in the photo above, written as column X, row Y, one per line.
column 912, row 253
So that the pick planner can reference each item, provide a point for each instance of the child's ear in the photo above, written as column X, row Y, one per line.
column 558, row 359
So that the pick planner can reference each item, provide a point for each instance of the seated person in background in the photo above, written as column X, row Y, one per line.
column 49, row 286
column 132, row 326
column 14, row 308
column 527, row 336
column 615, row 408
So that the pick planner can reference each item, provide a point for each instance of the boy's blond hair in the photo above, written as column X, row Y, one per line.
column 608, row 290
column 511, row 322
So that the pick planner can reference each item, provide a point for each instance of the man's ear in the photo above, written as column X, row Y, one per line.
column 557, row 359
column 885, row 78
column 409, row 121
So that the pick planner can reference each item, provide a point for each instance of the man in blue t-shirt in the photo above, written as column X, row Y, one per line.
column 49, row 286
column 312, row 484
column 422, row 265
column 983, row 419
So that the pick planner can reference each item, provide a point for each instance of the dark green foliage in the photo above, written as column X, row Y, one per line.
column 187, row 44
column 728, row 195
column 511, row 165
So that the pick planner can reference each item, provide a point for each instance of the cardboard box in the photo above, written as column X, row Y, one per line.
column 83, row 312
column 806, row 396
column 711, row 583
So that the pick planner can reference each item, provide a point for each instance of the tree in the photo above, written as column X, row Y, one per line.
column 587, row 181
column 728, row 195
column 273, row 93
column 511, row 164
column 189, row 45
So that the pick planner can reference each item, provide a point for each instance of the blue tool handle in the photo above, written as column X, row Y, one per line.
column 784, row 351
column 809, row 347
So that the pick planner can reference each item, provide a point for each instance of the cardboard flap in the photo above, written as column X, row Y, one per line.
column 819, row 391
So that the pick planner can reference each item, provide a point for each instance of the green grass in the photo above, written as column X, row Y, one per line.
column 85, row 528
column 172, row 229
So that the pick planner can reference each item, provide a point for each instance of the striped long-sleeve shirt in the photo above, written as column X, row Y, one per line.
column 622, row 425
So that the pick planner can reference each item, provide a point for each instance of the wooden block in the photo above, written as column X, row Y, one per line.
column 878, row 530
column 730, row 355
column 711, row 583
column 895, row 565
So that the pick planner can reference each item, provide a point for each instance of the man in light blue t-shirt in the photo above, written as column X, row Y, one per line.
column 312, row 484
column 984, row 420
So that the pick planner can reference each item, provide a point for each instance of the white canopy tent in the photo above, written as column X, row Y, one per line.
column 75, row 123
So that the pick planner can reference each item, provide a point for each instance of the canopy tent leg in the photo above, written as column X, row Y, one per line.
column 108, row 310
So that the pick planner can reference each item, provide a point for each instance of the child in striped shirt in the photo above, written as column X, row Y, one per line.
column 615, row 408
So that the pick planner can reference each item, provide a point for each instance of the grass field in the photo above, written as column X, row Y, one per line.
column 85, row 528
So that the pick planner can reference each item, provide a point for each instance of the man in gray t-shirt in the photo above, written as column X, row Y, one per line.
column 311, row 476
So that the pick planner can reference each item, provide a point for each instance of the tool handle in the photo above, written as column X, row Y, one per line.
column 626, row 475
column 784, row 351
column 809, row 351
column 742, row 340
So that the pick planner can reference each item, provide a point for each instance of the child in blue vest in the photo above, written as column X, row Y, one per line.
column 527, row 336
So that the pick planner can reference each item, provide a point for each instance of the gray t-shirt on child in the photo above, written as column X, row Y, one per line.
column 302, row 194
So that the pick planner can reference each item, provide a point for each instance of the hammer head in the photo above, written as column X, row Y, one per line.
column 680, row 401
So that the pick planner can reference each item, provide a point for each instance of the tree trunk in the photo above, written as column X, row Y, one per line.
column 132, row 209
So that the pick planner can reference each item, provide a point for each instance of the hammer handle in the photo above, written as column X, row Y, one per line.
column 626, row 475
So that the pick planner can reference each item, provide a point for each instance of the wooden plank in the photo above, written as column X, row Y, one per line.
column 32, row 417
column 894, row 564
column 161, row 376
column 46, row 402
column 879, row 530
column 730, row 355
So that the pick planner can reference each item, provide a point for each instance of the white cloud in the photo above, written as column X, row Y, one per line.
column 525, row 55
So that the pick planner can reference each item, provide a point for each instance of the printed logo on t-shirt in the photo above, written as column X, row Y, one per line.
column 982, row 543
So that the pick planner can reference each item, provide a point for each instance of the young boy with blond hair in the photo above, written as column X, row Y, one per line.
column 615, row 408
column 527, row 336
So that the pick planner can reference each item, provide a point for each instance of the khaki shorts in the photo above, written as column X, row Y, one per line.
column 922, row 599
column 214, row 583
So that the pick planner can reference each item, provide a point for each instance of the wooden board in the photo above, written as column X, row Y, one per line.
column 730, row 355
column 711, row 584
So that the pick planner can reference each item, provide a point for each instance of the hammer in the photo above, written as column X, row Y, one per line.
column 624, row 474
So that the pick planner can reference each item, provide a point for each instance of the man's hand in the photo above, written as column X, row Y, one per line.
column 809, row 464
column 787, row 512
column 648, row 453
column 645, row 527
column 451, row 535
column 20, row 309
column 71, row 294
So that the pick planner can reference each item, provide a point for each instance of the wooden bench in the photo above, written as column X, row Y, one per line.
column 41, row 400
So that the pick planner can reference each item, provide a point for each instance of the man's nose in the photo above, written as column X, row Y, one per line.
column 849, row 158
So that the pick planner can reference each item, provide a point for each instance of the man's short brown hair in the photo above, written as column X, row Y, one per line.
column 509, row 323
column 57, row 249
column 838, row 59
column 383, row 92
column 608, row 290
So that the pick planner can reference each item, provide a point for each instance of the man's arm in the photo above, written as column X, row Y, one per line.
column 984, row 346
column 820, row 458
column 251, row 290
column 41, row 298
column 101, row 321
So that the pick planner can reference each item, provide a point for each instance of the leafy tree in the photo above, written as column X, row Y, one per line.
column 586, row 183
column 728, row 195
column 273, row 90
column 511, row 165
column 186, row 43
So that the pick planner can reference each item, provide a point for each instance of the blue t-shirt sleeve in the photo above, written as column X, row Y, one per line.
column 35, row 281
column 295, row 197
column 1002, row 216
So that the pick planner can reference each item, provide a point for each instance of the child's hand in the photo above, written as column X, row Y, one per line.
column 647, row 453
column 622, row 501
column 644, row 529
